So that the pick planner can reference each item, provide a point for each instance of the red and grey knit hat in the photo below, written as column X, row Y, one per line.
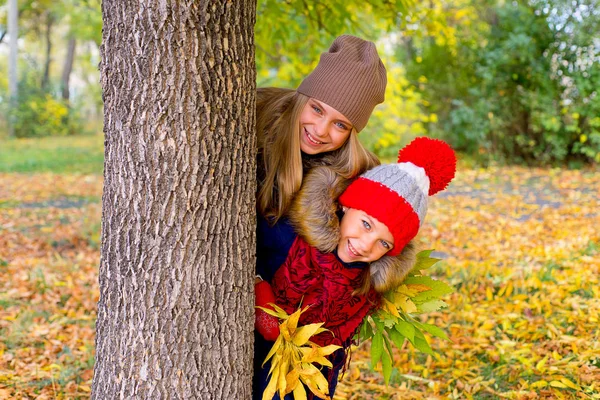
column 350, row 77
column 396, row 194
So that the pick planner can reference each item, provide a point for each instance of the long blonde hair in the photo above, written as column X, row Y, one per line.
column 278, row 128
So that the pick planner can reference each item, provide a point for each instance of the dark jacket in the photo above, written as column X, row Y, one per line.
column 313, row 274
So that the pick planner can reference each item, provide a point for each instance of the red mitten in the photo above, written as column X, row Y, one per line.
column 267, row 325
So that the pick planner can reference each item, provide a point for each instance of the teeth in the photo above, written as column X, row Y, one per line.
column 352, row 250
column 312, row 139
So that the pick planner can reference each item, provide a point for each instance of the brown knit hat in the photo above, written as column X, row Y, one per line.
column 350, row 77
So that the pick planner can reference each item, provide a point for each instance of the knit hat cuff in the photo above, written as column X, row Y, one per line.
column 387, row 207
column 350, row 77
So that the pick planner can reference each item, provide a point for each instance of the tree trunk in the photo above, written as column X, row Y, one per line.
column 46, row 77
column 13, row 78
column 68, row 68
column 175, row 315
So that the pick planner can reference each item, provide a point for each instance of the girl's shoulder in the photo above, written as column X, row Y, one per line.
column 313, row 213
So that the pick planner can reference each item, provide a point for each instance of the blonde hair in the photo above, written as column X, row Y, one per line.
column 278, row 128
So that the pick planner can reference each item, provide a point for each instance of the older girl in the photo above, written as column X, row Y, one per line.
column 316, row 124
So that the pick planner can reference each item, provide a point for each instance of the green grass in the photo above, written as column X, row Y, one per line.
column 71, row 154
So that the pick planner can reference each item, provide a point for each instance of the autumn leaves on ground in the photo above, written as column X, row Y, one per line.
column 522, row 251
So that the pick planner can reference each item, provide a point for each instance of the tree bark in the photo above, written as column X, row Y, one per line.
column 175, row 315
column 68, row 68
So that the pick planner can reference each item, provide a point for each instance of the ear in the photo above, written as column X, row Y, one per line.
column 344, row 208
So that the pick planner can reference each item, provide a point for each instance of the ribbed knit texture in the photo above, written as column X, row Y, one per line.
column 397, row 194
column 350, row 77
column 401, row 182
column 385, row 205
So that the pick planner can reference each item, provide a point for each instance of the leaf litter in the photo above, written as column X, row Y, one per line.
column 523, row 250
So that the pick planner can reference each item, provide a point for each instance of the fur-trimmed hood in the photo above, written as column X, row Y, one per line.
column 313, row 215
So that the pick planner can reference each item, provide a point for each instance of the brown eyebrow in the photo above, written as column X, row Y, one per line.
column 343, row 121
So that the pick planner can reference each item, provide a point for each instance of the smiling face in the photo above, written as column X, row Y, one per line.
column 322, row 128
column 363, row 238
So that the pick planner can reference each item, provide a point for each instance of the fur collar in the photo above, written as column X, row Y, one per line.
column 313, row 215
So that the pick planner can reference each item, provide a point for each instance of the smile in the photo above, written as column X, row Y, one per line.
column 352, row 250
column 312, row 139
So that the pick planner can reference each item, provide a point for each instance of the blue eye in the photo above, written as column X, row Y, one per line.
column 341, row 126
column 366, row 224
column 317, row 109
column 385, row 244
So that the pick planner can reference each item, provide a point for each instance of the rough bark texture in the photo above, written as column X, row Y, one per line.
column 175, row 316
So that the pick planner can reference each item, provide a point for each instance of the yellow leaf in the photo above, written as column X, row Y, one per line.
column 283, row 370
column 285, row 331
column 406, row 291
column 292, row 379
column 274, row 349
column 311, row 355
column 279, row 309
column 273, row 313
column 539, row 384
column 304, row 333
column 293, row 321
column 489, row 294
column 313, row 388
column 51, row 366
column 540, row 365
column 406, row 305
column 570, row 384
column 299, row 393
column 558, row 384
column 417, row 287
column 270, row 390
column 85, row 388
column 327, row 350
column 390, row 307
column 275, row 362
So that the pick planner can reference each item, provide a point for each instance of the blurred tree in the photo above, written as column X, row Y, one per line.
column 13, row 28
column 44, row 107
column 510, row 83
column 68, row 68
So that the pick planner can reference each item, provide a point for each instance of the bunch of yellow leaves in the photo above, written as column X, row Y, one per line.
column 293, row 356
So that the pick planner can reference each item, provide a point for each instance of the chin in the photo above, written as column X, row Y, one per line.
column 309, row 150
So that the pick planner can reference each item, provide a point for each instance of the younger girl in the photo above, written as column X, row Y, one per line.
column 339, row 265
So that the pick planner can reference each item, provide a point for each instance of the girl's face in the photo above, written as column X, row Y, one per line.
column 362, row 237
column 322, row 128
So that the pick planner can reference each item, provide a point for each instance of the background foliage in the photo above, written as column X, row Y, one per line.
column 509, row 82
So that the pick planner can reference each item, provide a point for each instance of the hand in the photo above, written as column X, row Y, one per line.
column 267, row 325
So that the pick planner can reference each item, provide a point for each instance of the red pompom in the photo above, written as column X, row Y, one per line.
column 435, row 156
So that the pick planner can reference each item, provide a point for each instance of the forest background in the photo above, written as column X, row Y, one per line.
column 513, row 86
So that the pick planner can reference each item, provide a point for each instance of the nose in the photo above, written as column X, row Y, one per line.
column 322, row 128
column 367, row 244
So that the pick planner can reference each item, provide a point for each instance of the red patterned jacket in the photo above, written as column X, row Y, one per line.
column 322, row 281
column 312, row 273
